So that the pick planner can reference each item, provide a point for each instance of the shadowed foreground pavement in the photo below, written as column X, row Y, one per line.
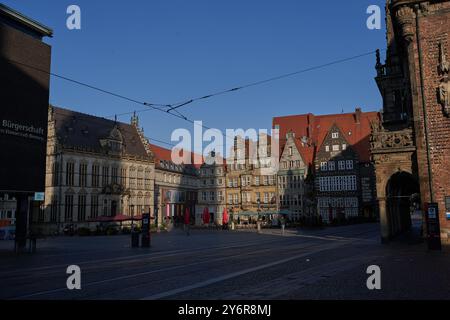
column 315, row 264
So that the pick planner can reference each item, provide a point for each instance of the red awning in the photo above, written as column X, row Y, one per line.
column 104, row 219
column 121, row 217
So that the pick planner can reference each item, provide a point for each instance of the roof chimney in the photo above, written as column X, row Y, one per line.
column 358, row 115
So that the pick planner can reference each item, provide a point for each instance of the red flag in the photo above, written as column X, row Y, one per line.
column 225, row 216
column 206, row 215
column 187, row 216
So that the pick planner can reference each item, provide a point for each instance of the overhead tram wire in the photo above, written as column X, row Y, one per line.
column 153, row 106
column 88, row 85
column 175, row 106
column 260, row 82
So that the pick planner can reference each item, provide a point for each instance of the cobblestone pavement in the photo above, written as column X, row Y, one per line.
column 329, row 263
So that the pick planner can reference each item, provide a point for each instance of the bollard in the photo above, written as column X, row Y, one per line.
column 282, row 229
column 258, row 224
column 145, row 241
column 134, row 239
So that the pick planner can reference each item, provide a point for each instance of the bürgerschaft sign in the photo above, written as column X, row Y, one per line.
column 25, row 131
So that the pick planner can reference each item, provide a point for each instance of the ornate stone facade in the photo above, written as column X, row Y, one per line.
column 95, row 168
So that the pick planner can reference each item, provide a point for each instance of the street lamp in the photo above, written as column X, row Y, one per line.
column 132, row 216
column 258, row 222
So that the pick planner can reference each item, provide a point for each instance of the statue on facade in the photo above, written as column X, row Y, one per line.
column 443, row 90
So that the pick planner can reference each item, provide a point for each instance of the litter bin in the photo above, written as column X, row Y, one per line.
column 134, row 239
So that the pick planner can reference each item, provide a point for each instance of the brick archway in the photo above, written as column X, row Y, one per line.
column 400, row 189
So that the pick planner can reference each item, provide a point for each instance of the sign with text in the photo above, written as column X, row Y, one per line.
column 24, row 110
column 432, row 224
column 39, row 196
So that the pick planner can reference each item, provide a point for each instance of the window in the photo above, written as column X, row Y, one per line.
column 266, row 180
column 331, row 165
column 335, row 135
column 95, row 175
column 258, row 196
column 56, row 174
column 82, row 177
column 94, row 206
column 271, row 180
column 230, row 199
column 54, row 210
column 114, row 175
column 70, row 173
column 212, row 196
column 344, row 146
column 266, row 197
column 341, row 165
column 327, row 148
column 349, row 164
column 123, row 177
column 105, row 176
column 81, row 207
column 132, row 178
column 68, row 208
column 335, row 147
column 148, row 179
column 236, row 198
column 219, row 196
column 140, row 177
column 323, row 166
column 257, row 181
column 290, row 151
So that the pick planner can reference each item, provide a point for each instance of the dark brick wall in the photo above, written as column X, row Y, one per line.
column 434, row 27
column 24, row 98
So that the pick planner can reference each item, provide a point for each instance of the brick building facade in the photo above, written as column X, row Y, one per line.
column 411, row 148
column 336, row 150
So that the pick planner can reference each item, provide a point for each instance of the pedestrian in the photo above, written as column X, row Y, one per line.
column 187, row 221
column 283, row 223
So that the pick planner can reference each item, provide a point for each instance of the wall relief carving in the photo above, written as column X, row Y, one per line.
column 444, row 86
column 383, row 139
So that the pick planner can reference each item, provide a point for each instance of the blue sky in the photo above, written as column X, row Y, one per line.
column 171, row 50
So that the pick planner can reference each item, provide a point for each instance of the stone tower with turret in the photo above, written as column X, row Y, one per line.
column 411, row 148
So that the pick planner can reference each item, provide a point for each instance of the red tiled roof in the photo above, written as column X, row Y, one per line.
column 315, row 129
column 161, row 154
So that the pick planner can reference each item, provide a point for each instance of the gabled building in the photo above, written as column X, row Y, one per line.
column 176, row 188
column 337, row 153
column 293, row 190
column 95, row 168
column 212, row 188
column 251, row 184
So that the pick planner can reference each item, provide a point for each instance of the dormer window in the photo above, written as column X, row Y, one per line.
column 335, row 135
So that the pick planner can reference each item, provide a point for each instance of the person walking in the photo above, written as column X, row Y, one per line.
column 187, row 221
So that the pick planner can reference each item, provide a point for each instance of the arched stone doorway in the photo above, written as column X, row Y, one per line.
column 401, row 202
